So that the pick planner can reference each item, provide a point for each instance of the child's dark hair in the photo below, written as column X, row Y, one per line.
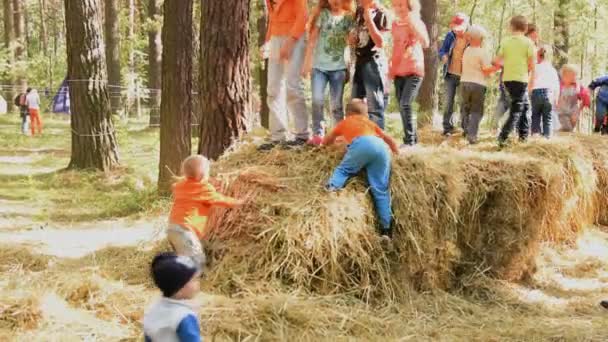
column 357, row 107
column 531, row 29
column 519, row 23
column 544, row 53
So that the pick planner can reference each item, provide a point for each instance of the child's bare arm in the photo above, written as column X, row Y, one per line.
column 374, row 32
column 392, row 144
column 532, row 71
column 420, row 31
column 330, row 139
column 310, row 46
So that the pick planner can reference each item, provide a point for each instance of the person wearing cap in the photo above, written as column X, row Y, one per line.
column 368, row 148
column 172, row 317
column 476, row 67
column 451, row 53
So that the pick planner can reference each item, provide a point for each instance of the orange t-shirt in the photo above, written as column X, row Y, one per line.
column 354, row 126
column 192, row 202
column 286, row 18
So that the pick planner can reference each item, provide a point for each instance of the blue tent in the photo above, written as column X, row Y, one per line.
column 61, row 101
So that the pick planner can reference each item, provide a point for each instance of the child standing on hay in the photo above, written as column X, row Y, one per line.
column 368, row 149
column 601, row 104
column 517, row 54
column 407, row 62
column 371, row 68
column 193, row 198
column 545, row 92
column 572, row 100
column 450, row 54
column 325, row 61
column 476, row 67
column 172, row 318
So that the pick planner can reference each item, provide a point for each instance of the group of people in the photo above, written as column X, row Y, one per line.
column 29, row 110
column 332, row 26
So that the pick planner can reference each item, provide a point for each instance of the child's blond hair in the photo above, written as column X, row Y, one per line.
column 195, row 167
column 569, row 68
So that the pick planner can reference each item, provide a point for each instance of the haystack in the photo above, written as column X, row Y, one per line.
column 458, row 214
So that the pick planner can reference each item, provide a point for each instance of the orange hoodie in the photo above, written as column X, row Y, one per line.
column 286, row 18
column 192, row 202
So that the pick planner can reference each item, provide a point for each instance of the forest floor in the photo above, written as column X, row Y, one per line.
column 57, row 225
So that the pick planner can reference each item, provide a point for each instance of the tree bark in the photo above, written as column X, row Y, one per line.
column 176, row 104
column 19, row 31
column 263, row 65
column 8, row 45
column 154, row 60
column 112, row 39
column 428, row 99
column 561, row 43
column 224, row 87
column 93, row 136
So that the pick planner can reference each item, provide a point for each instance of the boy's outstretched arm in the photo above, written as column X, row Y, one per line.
column 330, row 138
column 214, row 198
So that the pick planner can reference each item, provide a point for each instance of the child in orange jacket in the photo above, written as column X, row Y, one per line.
column 369, row 148
column 193, row 198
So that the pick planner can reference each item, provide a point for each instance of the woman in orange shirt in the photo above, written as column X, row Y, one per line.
column 368, row 149
column 193, row 198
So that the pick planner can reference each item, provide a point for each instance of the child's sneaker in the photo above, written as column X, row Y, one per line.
column 316, row 140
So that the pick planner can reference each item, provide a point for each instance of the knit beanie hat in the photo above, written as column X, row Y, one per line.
column 171, row 272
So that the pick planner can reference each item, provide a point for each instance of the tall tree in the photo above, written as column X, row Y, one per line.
column 154, row 59
column 93, row 136
column 19, row 32
column 112, row 37
column 176, row 104
column 263, row 65
column 561, row 27
column 224, row 87
column 428, row 99
column 8, row 45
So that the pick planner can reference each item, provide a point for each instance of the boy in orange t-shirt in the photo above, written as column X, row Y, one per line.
column 193, row 198
column 368, row 149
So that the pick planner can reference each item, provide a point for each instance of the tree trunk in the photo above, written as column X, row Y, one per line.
column 93, row 136
column 131, row 36
column 8, row 44
column 427, row 99
column 176, row 104
column 19, row 31
column 44, row 38
column 224, row 87
column 154, row 60
column 112, row 37
column 561, row 42
column 263, row 65
column 196, row 56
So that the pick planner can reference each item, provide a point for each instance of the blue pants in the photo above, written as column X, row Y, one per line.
column 451, row 86
column 320, row 79
column 541, row 113
column 372, row 154
column 368, row 83
column 601, row 110
column 406, row 89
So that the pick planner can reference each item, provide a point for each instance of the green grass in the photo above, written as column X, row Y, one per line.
column 74, row 196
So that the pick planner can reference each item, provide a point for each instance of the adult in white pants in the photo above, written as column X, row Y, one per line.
column 287, row 41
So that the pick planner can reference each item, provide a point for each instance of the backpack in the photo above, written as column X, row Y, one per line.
column 18, row 99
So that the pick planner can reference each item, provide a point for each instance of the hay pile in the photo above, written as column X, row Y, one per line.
column 19, row 313
column 458, row 214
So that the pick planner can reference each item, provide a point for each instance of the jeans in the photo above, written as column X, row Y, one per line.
column 372, row 154
column 369, row 82
column 286, row 91
column 502, row 106
column 517, row 116
column 473, row 100
column 319, row 81
column 601, row 115
column 451, row 85
column 541, row 112
column 24, row 123
column 406, row 89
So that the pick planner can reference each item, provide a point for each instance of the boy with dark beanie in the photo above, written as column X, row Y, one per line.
column 172, row 318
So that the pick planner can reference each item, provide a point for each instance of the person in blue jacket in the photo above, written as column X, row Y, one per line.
column 451, row 53
column 601, row 104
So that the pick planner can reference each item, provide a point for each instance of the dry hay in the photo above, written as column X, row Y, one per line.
column 128, row 264
column 19, row 312
column 458, row 214
column 20, row 257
